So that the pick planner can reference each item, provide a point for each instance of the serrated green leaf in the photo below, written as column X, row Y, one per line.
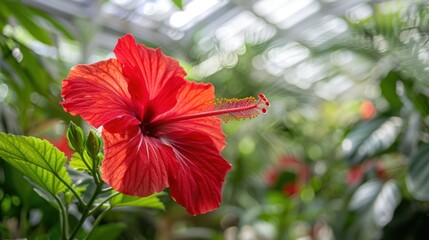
column 37, row 159
column 151, row 201
column 178, row 3
column 418, row 174
column 78, row 163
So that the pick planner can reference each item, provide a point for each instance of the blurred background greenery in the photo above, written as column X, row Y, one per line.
column 343, row 152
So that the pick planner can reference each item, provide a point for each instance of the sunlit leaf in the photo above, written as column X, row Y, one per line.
column 418, row 174
column 370, row 137
column 178, row 3
column 78, row 163
column 37, row 159
column 151, row 201
column 55, row 23
column 24, row 16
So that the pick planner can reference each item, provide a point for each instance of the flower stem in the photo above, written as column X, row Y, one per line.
column 63, row 218
column 86, row 211
column 97, row 221
column 103, row 202
column 106, row 189
column 79, row 199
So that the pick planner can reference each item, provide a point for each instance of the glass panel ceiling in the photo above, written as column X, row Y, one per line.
column 220, row 30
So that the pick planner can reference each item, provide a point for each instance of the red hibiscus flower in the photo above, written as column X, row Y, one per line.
column 159, row 129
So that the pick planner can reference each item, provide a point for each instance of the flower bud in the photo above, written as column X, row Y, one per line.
column 75, row 137
column 93, row 144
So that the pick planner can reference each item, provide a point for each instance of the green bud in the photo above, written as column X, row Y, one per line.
column 93, row 144
column 75, row 137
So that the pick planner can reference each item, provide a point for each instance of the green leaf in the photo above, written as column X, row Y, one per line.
column 420, row 101
column 108, row 231
column 78, row 163
column 178, row 3
column 47, row 196
column 370, row 137
column 151, row 201
column 418, row 174
column 388, row 90
column 25, row 16
column 374, row 204
column 55, row 23
column 37, row 159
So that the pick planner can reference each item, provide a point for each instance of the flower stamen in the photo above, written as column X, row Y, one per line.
column 227, row 109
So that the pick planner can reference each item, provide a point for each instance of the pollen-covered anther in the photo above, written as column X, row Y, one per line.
column 263, row 103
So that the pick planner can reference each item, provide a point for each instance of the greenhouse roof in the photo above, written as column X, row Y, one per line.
column 220, row 30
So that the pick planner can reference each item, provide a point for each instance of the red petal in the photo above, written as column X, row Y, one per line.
column 98, row 92
column 153, row 77
column 135, row 164
column 200, row 172
column 194, row 98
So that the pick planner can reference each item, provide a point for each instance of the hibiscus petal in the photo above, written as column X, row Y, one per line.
column 193, row 98
column 135, row 164
column 153, row 77
column 98, row 92
column 200, row 172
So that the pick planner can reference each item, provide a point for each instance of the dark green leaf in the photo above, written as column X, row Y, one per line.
column 388, row 90
column 418, row 174
column 373, row 205
column 37, row 159
column 370, row 137
column 151, row 201
column 108, row 231
column 420, row 102
column 47, row 196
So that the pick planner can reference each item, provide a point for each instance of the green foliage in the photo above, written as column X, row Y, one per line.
column 37, row 159
column 373, row 204
column 32, row 88
column 108, row 231
column 418, row 174
column 78, row 163
column 369, row 138
column 132, row 201
column 178, row 3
